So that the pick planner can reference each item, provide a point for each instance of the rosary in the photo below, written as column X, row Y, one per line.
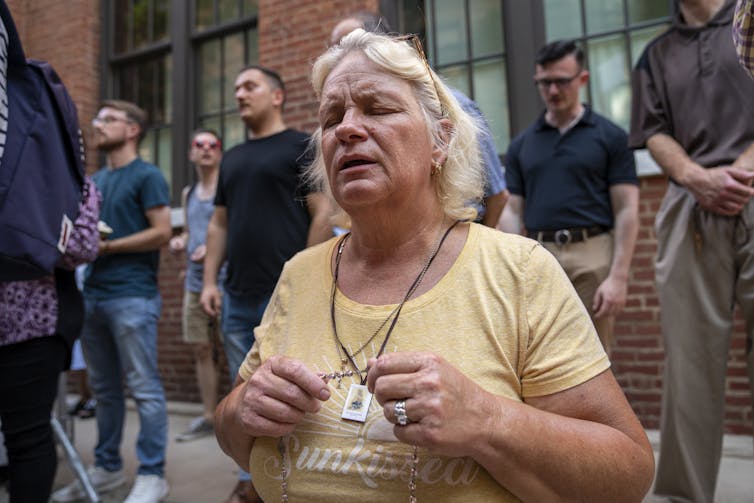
column 359, row 398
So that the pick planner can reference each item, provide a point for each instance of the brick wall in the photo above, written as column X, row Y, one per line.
column 67, row 35
column 291, row 35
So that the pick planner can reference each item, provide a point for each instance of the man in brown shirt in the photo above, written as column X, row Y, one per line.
column 692, row 108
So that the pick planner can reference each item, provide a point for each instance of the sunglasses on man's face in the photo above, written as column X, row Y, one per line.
column 212, row 145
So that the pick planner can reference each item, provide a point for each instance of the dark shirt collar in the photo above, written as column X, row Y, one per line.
column 587, row 119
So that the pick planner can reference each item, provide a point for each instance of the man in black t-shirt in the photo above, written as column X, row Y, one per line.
column 574, row 188
column 263, row 216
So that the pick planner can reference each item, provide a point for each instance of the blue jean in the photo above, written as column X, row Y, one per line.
column 239, row 319
column 119, row 340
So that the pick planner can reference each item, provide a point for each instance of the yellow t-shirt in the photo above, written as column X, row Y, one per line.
column 505, row 314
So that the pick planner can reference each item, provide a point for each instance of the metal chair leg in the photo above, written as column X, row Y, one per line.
column 75, row 461
column 64, row 436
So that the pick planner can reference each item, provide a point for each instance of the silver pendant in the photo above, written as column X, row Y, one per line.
column 357, row 403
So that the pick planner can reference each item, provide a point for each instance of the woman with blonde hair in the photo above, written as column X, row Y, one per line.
column 422, row 357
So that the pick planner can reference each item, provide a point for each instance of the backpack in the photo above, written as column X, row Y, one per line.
column 41, row 161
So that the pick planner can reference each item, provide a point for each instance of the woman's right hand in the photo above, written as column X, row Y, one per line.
column 276, row 398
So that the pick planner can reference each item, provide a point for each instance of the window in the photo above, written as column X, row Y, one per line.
column 142, row 72
column 219, row 61
column 152, row 44
column 613, row 34
column 465, row 44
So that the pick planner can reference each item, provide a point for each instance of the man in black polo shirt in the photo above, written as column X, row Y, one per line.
column 693, row 108
column 574, row 188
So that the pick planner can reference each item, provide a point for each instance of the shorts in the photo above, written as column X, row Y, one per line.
column 198, row 327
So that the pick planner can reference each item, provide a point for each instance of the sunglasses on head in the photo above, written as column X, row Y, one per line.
column 212, row 144
column 414, row 40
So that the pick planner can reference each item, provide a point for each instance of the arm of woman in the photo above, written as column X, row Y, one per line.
column 270, row 404
column 83, row 244
column 581, row 444
column 584, row 444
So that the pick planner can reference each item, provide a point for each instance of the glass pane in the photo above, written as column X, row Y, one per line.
column 250, row 8
column 205, row 14
column 458, row 77
column 141, row 23
column 120, row 21
column 147, row 146
column 227, row 10
column 166, row 88
column 609, row 78
column 563, row 19
column 209, row 77
column 603, row 15
column 161, row 20
column 233, row 64
column 429, row 48
column 165, row 154
column 647, row 10
column 487, row 20
column 127, row 79
column 491, row 94
column 640, row 38
column 252, row 47
column 145, row 94
column 450, row 30
column 234, row 131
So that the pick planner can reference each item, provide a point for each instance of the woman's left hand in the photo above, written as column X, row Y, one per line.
column 447, row 412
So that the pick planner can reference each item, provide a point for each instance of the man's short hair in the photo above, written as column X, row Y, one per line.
column 133, row 113
column 203, row 130
column 559, row 49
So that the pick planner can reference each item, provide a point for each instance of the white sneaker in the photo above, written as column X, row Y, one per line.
column 101, row 480
column 148, row 489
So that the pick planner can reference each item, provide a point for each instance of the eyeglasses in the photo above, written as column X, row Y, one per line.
column 560, row 82
column 108, row 119
column 212, row 145
column 416, row 43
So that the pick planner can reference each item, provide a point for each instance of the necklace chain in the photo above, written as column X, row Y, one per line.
column 395, row 314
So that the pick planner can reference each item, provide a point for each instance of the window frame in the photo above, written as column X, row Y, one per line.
column 181, row 46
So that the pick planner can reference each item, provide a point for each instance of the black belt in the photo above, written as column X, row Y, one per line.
column 565, row 236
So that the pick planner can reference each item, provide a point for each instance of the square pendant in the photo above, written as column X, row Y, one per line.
column 357, row 403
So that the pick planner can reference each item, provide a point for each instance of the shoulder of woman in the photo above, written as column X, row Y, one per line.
column 311, row 257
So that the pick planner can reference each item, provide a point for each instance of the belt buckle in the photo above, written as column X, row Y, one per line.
column 562, row 237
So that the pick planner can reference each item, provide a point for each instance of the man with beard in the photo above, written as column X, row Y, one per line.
column 123, row 305
column 263, row 215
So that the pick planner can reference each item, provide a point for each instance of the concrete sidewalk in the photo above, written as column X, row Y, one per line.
column 735, row 482
column 198, row 471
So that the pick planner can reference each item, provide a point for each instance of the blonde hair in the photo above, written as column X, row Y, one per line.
column 461, row 179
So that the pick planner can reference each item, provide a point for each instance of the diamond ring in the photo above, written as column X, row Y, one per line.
column 400, row 412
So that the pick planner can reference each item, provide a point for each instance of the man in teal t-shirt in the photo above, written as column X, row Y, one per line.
column 123, row 304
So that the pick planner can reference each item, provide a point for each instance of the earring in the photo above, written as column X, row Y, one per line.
column 436, row 168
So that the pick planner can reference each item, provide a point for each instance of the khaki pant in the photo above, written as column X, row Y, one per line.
column 698, row 282
column 197, row 325
column 587, row 264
